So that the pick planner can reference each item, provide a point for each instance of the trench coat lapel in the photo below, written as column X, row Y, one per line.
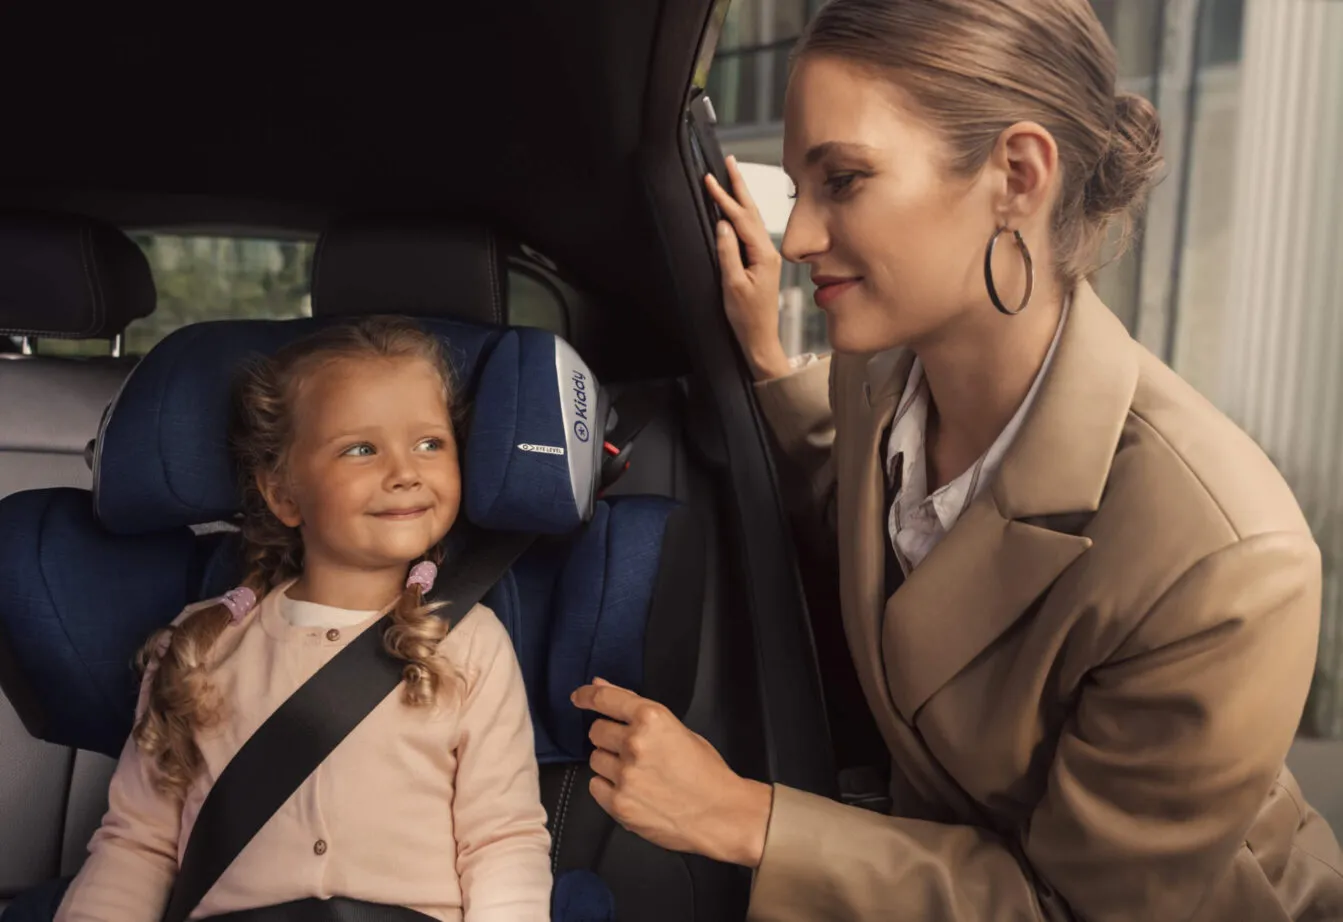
column 1015, row 539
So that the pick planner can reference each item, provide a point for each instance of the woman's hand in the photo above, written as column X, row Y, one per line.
column 666, row 784
column 750, row 293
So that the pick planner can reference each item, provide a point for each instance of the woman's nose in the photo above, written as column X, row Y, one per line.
column 805, row 236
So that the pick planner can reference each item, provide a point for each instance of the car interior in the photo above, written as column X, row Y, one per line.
column 525, row 184
column 494, row 177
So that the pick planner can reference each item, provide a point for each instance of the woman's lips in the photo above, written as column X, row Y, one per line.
column 829, row 288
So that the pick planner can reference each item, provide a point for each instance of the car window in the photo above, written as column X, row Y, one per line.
column 211, row 277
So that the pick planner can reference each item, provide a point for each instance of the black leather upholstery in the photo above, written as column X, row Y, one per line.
column 434, row 267
column 414, row 267
column 70, row 277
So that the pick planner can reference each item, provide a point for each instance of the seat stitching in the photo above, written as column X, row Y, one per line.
column 78, row 652
column 561, row 815
column 96, row 295
column 494, row 281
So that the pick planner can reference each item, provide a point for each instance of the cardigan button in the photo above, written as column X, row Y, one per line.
column 319, row 847
column 333, row 634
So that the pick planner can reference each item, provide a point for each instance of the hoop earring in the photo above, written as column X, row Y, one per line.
column 988, row 273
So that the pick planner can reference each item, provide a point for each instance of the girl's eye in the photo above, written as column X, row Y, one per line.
column 362, row 450
column 429, row 445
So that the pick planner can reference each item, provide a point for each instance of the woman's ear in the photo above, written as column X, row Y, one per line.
column 1028, row 159
column 278, row 498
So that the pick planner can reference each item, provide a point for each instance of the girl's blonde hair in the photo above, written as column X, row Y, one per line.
column 182, row 700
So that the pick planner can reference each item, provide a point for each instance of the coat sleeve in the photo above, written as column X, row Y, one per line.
column 1173, row 750
column 798, row 409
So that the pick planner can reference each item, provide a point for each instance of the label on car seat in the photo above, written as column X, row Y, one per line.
column 580, row 402
column 541, row 449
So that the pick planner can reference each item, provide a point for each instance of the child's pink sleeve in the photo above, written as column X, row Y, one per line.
column 133, row 856
column 503, row 848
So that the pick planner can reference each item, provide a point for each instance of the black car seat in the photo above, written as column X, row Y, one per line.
column 631, row 594
column 61, row 277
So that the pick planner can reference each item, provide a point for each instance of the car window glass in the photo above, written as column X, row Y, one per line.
column 203, row 277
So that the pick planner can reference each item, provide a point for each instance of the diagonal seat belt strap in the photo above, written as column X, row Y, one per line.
column 293, row 741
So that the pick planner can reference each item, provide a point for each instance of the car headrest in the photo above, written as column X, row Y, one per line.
column 530, row 457
column 70, row 277
column 410, row 266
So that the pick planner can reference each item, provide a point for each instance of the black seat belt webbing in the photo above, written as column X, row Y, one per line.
column 303, row 731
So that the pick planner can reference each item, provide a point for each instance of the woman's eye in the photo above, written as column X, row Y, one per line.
column 362, row 450
column 840, row 183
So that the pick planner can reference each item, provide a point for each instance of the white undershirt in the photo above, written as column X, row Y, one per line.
column 916, row 521
column 312, row 614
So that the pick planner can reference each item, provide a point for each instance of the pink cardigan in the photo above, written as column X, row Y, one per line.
column 438, row 811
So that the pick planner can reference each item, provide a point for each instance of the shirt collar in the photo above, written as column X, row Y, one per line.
column 906, row 443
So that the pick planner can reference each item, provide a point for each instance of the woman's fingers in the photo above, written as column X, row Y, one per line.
column 609, row 700
column 729, row 258
column 732, row 208
column 606, row 765
column 660, row 780
column 609, row 735
column 741, row 192
column 747, row 223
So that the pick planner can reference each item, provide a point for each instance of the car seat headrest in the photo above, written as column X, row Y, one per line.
column 70, row 277
column 410, row 266
column 530, row 457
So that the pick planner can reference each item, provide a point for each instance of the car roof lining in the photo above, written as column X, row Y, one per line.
column 526, row 116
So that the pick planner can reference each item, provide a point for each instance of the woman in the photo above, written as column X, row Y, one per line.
column 1083, row 606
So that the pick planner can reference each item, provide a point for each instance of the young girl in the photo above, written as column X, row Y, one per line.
column 345, row 445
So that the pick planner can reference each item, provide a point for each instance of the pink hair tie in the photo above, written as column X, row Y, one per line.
column 423, row 575
column 239, row 602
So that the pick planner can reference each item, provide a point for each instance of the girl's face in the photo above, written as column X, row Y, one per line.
column 372, row 478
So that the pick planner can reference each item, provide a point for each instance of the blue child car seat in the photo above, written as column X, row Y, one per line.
column 85, row 577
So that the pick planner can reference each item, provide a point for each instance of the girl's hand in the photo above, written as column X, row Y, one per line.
column 666, row 784
column 750, row 293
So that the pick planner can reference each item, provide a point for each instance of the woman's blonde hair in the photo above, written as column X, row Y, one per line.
column 182, row 700
column 976, row 67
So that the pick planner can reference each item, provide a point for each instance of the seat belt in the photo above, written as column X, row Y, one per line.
column 303, row 731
